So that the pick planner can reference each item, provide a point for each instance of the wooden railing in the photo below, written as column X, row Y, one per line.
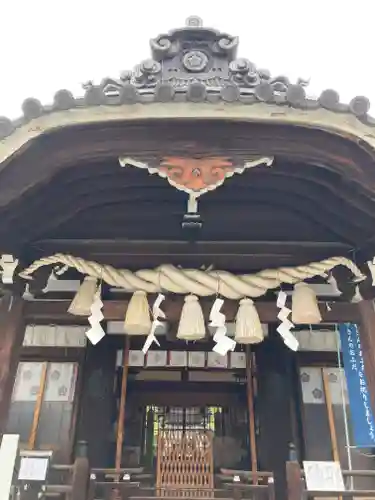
column 78, row 482
column 297, row 486
column 68, row 482
column 134, row 484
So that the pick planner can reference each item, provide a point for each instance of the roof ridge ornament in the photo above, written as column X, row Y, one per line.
column 198, row 62
column 194, row 22
column 194, row 64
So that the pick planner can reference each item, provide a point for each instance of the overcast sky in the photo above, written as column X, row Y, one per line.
column 47, row 45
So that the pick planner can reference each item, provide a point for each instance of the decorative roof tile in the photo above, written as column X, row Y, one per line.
column 193, row 64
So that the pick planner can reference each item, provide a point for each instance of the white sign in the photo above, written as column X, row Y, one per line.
column 323, row 476
column 8, row 455
column 33, row 469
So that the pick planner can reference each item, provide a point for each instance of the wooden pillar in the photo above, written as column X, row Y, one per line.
column 12, row 332
column 367, row 336
column 97, row 412
column 274, row 362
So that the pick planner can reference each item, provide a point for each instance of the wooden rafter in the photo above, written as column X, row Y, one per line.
column 114, row 310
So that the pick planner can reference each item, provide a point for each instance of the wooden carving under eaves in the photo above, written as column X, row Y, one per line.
column 196, row 176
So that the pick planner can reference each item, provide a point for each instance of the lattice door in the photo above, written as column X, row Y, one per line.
column 185, row 463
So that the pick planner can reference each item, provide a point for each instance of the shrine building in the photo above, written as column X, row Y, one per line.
column 186, row 270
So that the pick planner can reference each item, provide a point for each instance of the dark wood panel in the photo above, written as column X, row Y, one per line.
column 275, row 392
column 184, row 394
column 270, row 203
column 274, row 204
column 97, row 402
column 12, row 331
column 155, row 139
column 236, row 256
column 45, row 311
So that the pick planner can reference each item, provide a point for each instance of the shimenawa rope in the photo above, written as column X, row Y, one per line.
column 195, row 281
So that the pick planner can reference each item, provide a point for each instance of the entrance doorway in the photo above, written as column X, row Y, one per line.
column 196, row 414
column 169, row 409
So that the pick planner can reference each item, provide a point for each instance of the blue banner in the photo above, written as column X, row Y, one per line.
column 359, row 397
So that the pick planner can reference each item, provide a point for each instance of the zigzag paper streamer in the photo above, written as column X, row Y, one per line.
column 156, row 314
column 8, row 264
column 217, row 320
column 286, row 325
column 371, row 266
column 357, row 297
column 96, row 332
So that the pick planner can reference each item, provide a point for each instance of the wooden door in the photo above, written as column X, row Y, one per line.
column 185, row 463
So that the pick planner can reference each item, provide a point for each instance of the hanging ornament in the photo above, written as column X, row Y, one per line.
column 8, row 264
column 96, row 332
column 286, row 325
column 249, row 329
column 137, row 318
column 223, row 343
column 191, row 326
column 305, row 309
column 81, row 304
column 157, row 313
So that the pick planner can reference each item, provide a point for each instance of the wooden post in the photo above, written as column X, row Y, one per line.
column 250, row 406
column 38, row 407
column 121, row 415
column 273, row 361
column 367, row 336
column 80, row 479
column 294, row 481
column 331, row 418
column 12, row 332
column 96, row 402
column 271, row 488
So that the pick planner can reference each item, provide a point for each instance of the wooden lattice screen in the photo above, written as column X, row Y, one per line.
column 185, row 463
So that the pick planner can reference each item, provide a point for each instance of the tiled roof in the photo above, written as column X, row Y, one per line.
column 193, row 64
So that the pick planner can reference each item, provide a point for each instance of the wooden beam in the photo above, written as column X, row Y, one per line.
column 244, row 255
column 181, row 247
column 41, row 311
column 12, row 331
